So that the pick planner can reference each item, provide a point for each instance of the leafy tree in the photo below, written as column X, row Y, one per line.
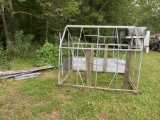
column 45, row 18
column 148, row 14
column 34, row 16
column 108, row 12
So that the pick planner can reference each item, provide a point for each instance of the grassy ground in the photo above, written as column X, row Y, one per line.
column 40, row 98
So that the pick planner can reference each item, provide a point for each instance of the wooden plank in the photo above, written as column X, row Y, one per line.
column 14, row 73
column 127, row 70
column 105, row 59
column 88, row 67
column 11, row 76
column 92, row 57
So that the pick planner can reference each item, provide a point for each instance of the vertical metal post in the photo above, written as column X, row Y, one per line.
column 59, row 61
column 117, row 36
column 117, row 57
column 69, row 59
column 78, row 53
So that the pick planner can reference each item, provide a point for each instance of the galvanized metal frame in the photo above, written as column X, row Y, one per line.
column 71, row 48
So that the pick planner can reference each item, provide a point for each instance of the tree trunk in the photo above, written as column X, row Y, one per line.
column 11, row 31
column 8, row 34
column 4, row 24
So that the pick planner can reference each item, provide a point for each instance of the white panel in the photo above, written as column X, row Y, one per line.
column 80, row 64
column 79, row 60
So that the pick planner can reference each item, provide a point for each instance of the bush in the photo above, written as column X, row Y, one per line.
column 4, row 60
column 22, row 44
column 47, row 55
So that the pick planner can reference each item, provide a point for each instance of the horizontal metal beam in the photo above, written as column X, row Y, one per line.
column 100, row 36
column 98, row 26
column 75, row 48
column 129, row 37
column 76, row 43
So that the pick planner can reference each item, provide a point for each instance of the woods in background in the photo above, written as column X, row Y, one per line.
column 45, row 19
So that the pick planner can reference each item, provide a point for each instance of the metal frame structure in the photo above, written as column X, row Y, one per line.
column 99, row 65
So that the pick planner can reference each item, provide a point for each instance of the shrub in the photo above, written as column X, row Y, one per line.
column 22, row 43
column 47, row 55
column 4, row 60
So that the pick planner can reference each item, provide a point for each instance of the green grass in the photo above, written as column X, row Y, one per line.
column 18, row 64
column 40, row 98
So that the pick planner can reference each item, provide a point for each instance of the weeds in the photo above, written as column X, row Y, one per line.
column 4, row 60
column 22, row 44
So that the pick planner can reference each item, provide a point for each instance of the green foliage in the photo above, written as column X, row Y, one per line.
column 148, row 14
column 47, row 55
column 4, row 60
column 96, row 18
column 2, row 2
column 54, row 39
column 1, row 80
column 22, row 44
column 31, row 16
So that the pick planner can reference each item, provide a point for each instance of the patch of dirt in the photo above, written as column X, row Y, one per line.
column 64, row 97
column 54, row 115
column 39, row 103
column 103, row 117
column 44, row 116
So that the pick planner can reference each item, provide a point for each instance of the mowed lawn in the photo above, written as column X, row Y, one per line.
column 41, row 99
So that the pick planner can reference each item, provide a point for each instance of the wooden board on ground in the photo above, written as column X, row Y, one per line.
column 10, row 74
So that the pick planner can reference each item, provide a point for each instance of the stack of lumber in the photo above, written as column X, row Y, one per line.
column 23, row 74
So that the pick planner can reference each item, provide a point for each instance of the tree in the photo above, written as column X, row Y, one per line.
column 108, row 12
column 148, row 14
column 45, row 18
column 34, row 16
column 6, row 7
